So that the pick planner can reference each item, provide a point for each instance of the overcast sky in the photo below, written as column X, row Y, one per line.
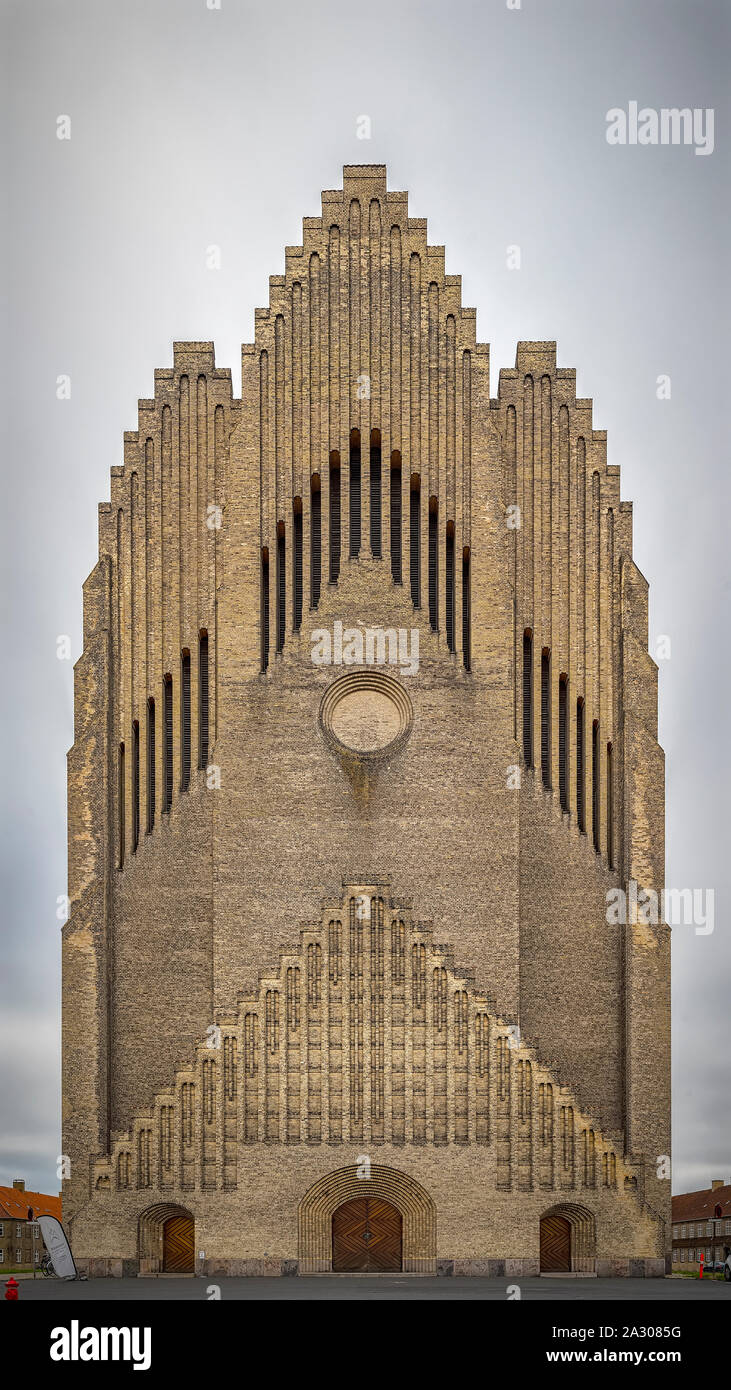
column 192, row 126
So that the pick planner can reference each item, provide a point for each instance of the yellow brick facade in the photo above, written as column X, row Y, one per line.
column 365, row 947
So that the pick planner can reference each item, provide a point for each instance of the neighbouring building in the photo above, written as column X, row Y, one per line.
column 365, row 741
column 21, row 1242
column 702, row 1226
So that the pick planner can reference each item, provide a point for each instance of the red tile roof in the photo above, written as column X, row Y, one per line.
column 14, row 1204
column 700, row 1206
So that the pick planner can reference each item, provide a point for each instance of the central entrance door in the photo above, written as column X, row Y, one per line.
column 177, row 1245
column 367, row 1237
column 555, row 1245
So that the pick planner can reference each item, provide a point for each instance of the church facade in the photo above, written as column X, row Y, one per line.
column 365, row 744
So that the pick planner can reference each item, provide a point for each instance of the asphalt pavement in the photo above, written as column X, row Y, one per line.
column 389, row 1287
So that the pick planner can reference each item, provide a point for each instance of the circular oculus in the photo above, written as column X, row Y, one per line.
column 366, row 713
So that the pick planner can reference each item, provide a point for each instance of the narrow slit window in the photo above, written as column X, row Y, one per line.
column 150, row 764
column 375, row 464
column 354, row 492
column 297, row 564
column 449, row 585
column 580, row 770
column 563, row 771
column 466, row 611
column 334, row 518
column 281, row 586
column 610, row 806
column 167, row 743
column 120, row 805
column 185, row 721
column 415, row 539
column 528, row 697
column 264, row 609
column 135, row 785
column 595, row 783
column 546, row 717
column 315, row 539
column 396, row 570
column 203, row 708
column 433, row 564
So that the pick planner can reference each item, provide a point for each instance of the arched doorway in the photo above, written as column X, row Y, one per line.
column 367, row 1235
column 390, row 1186
column 167, row 1240
column 555, row 1245
column 568, row 1240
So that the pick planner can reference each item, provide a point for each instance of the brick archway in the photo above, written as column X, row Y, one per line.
column 581, row 1235
column 411, row 1200
column 151, row 1241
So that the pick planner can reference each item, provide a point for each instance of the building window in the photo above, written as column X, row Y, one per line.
column 334, row 517
column 150, row 764
column 203, row 685
column 466, row 611
column 683, row 1255
column 728, row 1228
column 433, row 564
column 2, row 1257
column 36, row 1230
column 18, row 1229
column 18, row 1255
column 682, row 1232
column 297, row 564
column 580, row 773
column 396, row 572
column 185, row 720
column 449, row 586
column 120, row 809
column 546, row 717
column 415, row 539
column 264, row 609
column 281, row 582
column 2, row 1230
column 528, row 697
column 167, row 746
column 315, row 539
column 135, row 784
column 37, row 1257
column 610, row 807
column 376, row 493
column 709, row 1228
column 595, row 783
column 354, row 496
column 563, row 756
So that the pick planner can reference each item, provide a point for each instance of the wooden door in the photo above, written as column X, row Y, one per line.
column 367, row 1237
column 555, row 1245
column 177, row 1245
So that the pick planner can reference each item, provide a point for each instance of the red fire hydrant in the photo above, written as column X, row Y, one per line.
column 11, row 1288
